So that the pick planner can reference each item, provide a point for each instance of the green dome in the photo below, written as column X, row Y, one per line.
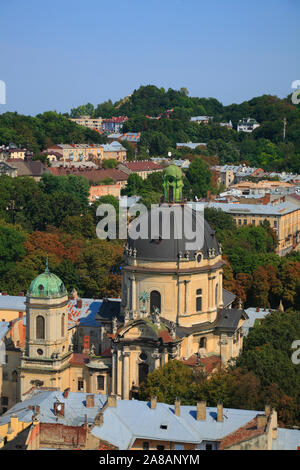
column 174, row 171
column 47, row 285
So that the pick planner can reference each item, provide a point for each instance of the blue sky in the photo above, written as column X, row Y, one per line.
column 60, row 54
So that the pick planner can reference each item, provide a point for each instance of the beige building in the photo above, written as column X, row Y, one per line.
column 173, row 306
column 283, row 217
column 76, row 152
column 88, row 121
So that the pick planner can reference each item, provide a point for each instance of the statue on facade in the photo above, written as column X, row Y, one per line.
column 155, row 316
column 143, row 298
column 114, row 325
column 172, row 330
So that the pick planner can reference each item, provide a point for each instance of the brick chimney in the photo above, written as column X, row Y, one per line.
column 153, row 403
column 90, row 403
column 37, row 408
column 220, row 417
column 177, row 407
column 261, row 421
column 21, row 294
column 21, row 314
column 112, row 400
column 66, row 392
column 201, row 411
column 79, row 303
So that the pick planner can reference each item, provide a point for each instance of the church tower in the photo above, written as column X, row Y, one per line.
column 47, row 351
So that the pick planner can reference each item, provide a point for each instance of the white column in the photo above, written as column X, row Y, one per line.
column 133, row 293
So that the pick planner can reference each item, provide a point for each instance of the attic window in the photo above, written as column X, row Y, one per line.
column 41, row 287
column 163, row 426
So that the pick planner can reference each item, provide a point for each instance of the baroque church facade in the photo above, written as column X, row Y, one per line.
column 173, row 306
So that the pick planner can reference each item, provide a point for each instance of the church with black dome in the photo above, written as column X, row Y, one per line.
column 173, row 301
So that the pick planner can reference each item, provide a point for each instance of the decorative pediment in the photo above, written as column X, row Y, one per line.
column 139, row 329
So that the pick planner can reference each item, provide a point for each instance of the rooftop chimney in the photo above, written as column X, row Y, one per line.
column 267, row 410
column 201, row 411
column 90, row 401
column 21, row 314
column 66, row 392
column 177, row 407
column 112, row 400
column 261, row 421
column 153, row 403
column 79, row 303
column 21, row 294
column 220, row 412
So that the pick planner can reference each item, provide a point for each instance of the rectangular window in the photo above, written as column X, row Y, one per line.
column 198, row 304
column 145, row 445
column 160, row 447
column 100, row 382
column 80, row 386
column 253, row 222
column 275, row 223
column 240, row 222
column 245, row 221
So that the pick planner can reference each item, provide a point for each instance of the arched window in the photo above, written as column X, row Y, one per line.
column 155, row 301
column 217, row 294
column 199, row 300
column 143, row 372
column 40, row 327
column 202, row 343
column 63, row 325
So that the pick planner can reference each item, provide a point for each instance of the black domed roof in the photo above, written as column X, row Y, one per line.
column 160, row 248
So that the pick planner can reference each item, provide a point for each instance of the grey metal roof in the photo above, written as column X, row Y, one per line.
column 228, row 297
column 12, row 302
column 229, row 318
column 252, row 316
column 287, row 439
column 75, row 408
column 257, row 209
column 165, row 249
column 132, row 419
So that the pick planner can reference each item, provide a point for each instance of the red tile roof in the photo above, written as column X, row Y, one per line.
column 92, row 174
column 242, row 434
column 165, row 336
column 209, row 363
column 79, row 359
column 142, row 165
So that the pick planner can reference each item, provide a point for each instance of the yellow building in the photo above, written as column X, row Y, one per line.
column 88, row 121
column 283, row 217
column 173, row 306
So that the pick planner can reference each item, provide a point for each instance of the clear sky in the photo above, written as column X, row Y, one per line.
column 58, row 54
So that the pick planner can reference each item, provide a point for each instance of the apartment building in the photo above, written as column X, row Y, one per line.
column 284, row 218
column 88, row 121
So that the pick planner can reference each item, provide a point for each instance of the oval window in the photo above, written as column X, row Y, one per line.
column 40, row 352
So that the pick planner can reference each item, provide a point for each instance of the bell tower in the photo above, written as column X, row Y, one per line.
column 47, row 345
